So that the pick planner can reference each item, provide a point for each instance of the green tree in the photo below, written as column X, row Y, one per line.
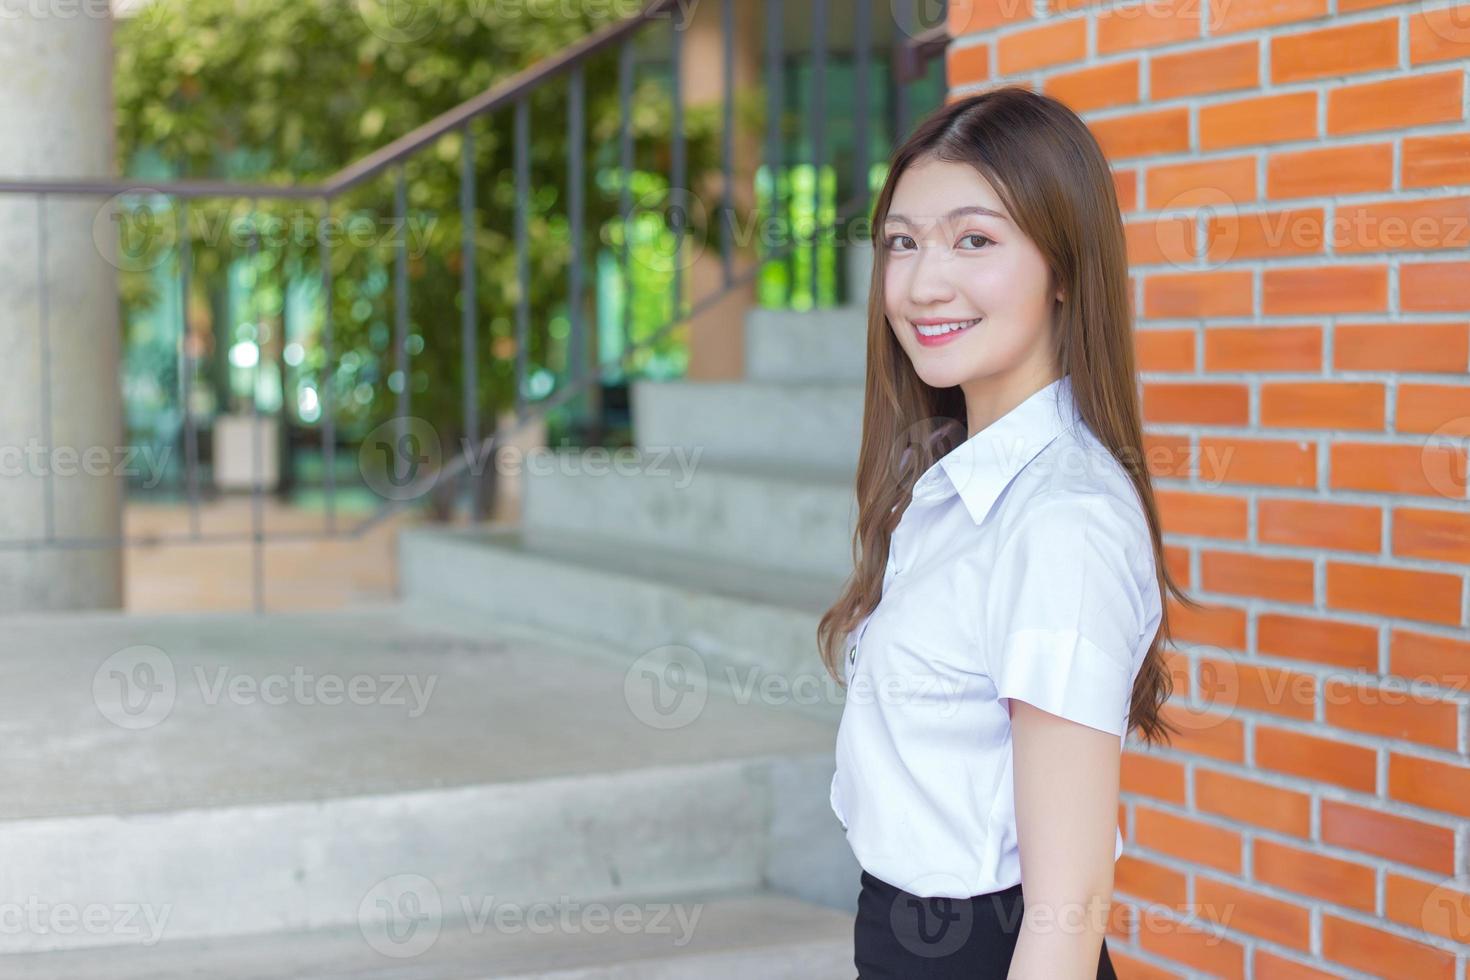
column 289, row 91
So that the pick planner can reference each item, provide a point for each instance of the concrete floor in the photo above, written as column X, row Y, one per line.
column 434, row 707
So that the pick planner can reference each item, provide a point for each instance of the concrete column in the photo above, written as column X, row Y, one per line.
column 61, row 433
column 717, row 336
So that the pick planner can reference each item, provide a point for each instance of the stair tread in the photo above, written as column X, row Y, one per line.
column 508, row 704
column 691, row 929
column 803, row 592
column 644, row 461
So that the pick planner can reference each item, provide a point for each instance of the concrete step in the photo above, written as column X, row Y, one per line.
column 817, row 345
column 771, row 517
column 713, row 937
column 813, row 425
column 195, row 776
column 749, row 631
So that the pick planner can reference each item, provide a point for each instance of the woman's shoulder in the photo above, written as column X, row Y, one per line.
column 1076, row 477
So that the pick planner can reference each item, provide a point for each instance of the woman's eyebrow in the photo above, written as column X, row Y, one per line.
column 954, row 213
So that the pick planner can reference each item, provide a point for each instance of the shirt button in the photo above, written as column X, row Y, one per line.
column 852, row 655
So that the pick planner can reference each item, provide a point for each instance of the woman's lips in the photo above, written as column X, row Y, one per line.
column 933, row 339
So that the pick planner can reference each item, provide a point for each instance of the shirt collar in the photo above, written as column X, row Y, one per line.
column 979, row 468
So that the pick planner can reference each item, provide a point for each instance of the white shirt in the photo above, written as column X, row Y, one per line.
column 1022, row 568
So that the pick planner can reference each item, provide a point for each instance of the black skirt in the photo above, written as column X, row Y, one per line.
column 902, row 936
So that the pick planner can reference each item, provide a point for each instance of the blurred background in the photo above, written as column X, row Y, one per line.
column 429, row 436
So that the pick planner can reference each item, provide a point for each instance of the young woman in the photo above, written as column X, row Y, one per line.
column 1003, row 628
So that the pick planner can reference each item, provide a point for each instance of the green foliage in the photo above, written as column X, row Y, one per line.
column 288, row 91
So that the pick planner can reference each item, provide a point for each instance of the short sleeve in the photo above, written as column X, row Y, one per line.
column 1064, row 611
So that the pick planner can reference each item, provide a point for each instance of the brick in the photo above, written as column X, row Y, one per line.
column 1161, row 241
column 1440, row 409
column 1399, row 225
column 1267, row 462
column 1334, row 289
column 1436, row 535
column 1431, row 597
column 1306, row 872
column 1146, row 25
column 1206, row 733
column 1319, row 524
column 1434, row 659
column 1165, row 350
column 1250, row 912
column 1249, row 801
column 1324, row 405
column 1201, row 404
column 1263, row 349
column 1264, row 234
column 1429, row 783
column 1434, row 287
column 1188, row 840
column 1215, row 625
column 1042, row 46
column 1425, row 348
column 1403, row 839
column 1238, row 573
column 1273, row 966
column 1254, row 121
column 1322, row 641
column 1230, row 181
column 1246, row 15
column 1395, row 103
column 1149, row 881
column 1370, row 708
column 1330, row 170
column 1197, row 294
column 1439, row 35
column 1150, row 775
column 1362, row 47
column 1204, row 952
column 1142, row 133
column 1204, row 71
column 1322, row 760
column 1439, row 907
column 1208, row 515
column 1099, row 87
column 1168, row 455
column 1264, row 688
column 1436, row 161
column 973, row 16
column 1125, row 185
column 1419, row 469
column 967, row 65
column 1382, row 953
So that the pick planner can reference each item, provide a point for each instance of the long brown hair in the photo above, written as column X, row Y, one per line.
column 1052, row 176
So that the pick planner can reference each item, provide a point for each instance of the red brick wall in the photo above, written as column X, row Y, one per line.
column 1295, row 180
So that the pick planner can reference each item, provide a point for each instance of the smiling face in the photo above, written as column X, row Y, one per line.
column 953, row 254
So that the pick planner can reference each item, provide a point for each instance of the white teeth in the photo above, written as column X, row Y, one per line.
column 940, row 329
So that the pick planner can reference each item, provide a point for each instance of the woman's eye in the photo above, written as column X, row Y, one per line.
column 973, row 236
column 893, row 240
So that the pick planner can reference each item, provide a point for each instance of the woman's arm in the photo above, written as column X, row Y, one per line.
column 1066, row 792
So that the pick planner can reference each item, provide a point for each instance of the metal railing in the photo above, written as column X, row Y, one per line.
column 514, row 94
